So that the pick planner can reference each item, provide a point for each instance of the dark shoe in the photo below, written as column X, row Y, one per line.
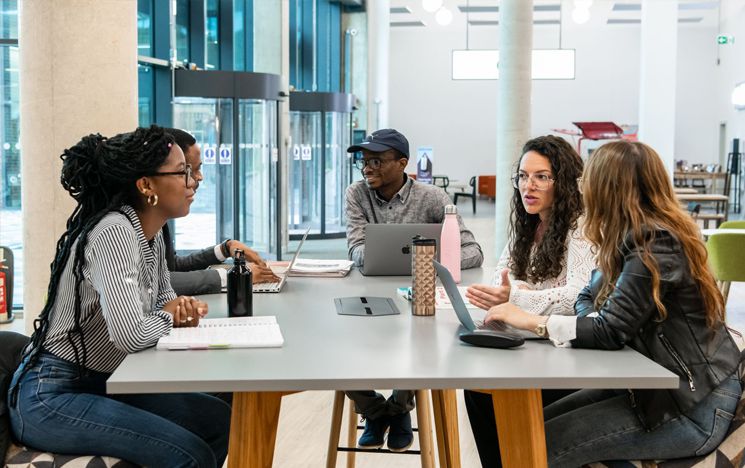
column 374, row 434
column 400, row 436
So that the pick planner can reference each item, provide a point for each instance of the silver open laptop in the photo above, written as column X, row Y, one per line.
column 385, row 247
column 465, row 317
column 277, row 286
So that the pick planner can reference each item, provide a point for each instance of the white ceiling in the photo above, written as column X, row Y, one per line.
column 606, row 13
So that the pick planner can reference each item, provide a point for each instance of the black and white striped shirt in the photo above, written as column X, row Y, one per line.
column 125, row 285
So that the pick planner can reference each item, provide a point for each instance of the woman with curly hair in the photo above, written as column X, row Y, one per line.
column 654, row 292
column 110, row 295
column 548, row 261
column 546, row 264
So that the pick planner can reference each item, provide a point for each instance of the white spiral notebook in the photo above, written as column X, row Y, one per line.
column 223, row 333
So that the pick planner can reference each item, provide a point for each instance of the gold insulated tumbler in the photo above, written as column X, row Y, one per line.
column 423, row 280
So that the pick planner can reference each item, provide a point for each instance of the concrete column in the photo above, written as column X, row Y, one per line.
column 78, row 75
column 378, row 38
column 513, row 108
column 659, row 50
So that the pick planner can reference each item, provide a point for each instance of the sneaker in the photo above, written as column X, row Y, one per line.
column 400, row 436
column 374, row 434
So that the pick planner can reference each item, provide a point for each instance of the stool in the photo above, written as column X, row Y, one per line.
column 424, row 430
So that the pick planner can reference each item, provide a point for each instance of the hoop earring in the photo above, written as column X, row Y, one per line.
column 152, row 199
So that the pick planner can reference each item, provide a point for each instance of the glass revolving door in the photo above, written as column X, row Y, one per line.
column 233, row 116
column 258, row 174
column 211, row 217
column 319, row 166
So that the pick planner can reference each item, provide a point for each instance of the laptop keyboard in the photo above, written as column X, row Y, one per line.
column 266, row 287
column 496, row 326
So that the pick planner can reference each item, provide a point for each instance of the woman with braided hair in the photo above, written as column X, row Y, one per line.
column 110, row 295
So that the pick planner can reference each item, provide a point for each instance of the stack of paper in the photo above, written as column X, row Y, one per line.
column 237, row 332
column 321, row 268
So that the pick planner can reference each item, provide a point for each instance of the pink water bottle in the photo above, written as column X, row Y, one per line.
column 450, row 242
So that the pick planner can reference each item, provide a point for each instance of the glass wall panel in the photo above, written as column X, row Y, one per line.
column 257, row 183
column 145, row 85
column 212, row 35
column 211, row 218
column 337, row 169
column 144, row 28
column 239, row 36
column 9, row 21
column 10, row 162
column 355, row 69
column 304, row 205
column 267, row 37
column 182, row 30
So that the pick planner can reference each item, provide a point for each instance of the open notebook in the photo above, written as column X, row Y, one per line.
column 237, row 332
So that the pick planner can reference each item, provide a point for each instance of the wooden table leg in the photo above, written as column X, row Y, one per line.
column 522, row 437
column 336, row 416
column 351, row 434
column 253, row 429
column 425, row 429
column 445, row 408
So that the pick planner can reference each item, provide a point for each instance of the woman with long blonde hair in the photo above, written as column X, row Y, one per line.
column 654, row 292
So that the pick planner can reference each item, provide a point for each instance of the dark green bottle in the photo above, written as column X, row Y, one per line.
column 240, row 288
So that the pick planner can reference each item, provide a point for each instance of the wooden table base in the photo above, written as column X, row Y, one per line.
column 255, row 417
column 253, row 429
column 522, row 437
column 445, row 409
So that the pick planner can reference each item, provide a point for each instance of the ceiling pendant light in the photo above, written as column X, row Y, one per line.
column 580, row 15
column 444, row 16
column 431, row 6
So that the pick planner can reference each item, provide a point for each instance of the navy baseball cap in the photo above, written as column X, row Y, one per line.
column 383, row 140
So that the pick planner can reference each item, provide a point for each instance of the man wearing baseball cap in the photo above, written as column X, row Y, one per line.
column 388, row 195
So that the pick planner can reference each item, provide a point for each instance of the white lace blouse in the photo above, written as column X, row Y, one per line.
column 555, row 295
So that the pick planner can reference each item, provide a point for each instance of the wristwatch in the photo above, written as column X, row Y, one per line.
column 541, row 329
column 225, row 249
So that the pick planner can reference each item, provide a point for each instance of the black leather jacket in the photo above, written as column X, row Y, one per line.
column 682, row 343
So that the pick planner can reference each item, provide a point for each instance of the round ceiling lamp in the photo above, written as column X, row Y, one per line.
column 444, row 16
column 580, row 15
column 431, row 6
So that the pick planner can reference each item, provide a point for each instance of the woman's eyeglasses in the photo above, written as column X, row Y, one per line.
column 540, row 181
column 186, row 173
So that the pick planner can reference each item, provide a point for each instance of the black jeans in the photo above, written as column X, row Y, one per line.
column 484, row 425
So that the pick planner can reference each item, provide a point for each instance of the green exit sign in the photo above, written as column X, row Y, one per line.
column 724, row 39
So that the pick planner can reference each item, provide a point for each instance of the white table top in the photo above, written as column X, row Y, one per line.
column 701, row 197
column 711, row 232
column 326, row 351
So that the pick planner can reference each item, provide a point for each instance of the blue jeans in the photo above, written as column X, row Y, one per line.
column 59, row 411
column 372, row 405
column 600, row 425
